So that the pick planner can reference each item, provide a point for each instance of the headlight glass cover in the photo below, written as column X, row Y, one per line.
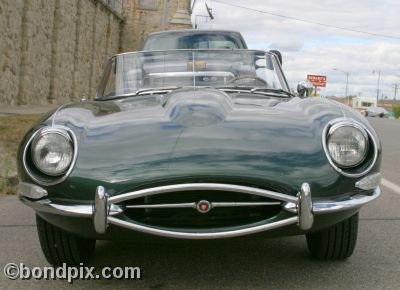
column 52, row 152
column 347, row 145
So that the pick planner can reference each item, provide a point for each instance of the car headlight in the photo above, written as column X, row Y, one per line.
column 52, row 152
column 347, row 145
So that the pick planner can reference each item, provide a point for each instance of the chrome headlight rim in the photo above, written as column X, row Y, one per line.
column 38, row 175
column 349, row 171
column 36, row 140
column 353, row 125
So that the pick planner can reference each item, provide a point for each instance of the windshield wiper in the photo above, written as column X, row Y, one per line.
column 235, row 88
column 143, row 92
column 156, row 90
column 251, row 89
column 269, row 90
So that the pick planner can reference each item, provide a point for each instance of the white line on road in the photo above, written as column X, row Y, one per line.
column 386, row 183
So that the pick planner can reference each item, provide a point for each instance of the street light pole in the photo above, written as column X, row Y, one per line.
column 193, row 5
column 195, row 19
column 377, row 89
column 165, row 15
column 347, row 84
column 379, row 79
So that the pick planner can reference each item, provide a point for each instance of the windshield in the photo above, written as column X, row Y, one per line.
column 133, row 73
column 206, row 40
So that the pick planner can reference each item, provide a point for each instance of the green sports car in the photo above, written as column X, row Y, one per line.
column 198, row 144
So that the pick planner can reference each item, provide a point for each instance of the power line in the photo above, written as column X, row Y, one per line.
column 309, row 21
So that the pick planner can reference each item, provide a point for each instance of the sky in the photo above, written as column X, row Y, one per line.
column 309, row 48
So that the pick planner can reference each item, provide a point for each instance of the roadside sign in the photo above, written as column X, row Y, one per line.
column 317, row 80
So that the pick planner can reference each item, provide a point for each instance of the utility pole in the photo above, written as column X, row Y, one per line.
column 396, row 87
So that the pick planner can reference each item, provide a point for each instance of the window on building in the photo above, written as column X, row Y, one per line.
column 366, row 104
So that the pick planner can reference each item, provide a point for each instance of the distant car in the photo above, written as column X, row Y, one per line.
column 198, row 144
column 377, row 112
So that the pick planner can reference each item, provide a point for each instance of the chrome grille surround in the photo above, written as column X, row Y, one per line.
column 302, row 200
column 299, row 209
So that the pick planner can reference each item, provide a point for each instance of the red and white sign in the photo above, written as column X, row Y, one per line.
column 316, row 80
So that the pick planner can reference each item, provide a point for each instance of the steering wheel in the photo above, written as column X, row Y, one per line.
column 252, row 77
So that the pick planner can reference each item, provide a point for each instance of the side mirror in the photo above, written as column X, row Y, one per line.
column 304, row 89
column 278, row 54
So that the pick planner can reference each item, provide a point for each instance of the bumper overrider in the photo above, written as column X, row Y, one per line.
column 300, row 209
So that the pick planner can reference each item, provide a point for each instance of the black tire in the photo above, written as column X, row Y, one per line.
column 60, row 247
column 335, row 243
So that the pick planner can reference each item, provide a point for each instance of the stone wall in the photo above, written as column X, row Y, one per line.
column 145, row 16
column 54, row 51
column 11, row 14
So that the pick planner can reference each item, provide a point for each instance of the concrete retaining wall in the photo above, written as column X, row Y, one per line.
column 54, row 51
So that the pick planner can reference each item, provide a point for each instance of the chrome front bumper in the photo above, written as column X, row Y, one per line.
column 105, row 209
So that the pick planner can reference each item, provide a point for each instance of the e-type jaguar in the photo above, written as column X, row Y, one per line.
column 198, row 144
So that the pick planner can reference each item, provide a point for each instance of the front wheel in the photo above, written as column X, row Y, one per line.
column 334, row 243
column 60, row 247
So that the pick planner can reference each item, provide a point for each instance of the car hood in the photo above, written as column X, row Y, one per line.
column 202, row 135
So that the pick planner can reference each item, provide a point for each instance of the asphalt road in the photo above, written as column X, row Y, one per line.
column 281, row 263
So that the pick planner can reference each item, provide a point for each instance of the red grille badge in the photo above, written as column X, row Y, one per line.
column 203, row 206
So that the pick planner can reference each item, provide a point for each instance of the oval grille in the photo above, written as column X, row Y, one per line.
column 183, row 209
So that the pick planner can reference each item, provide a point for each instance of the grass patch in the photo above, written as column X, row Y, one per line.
column 12, row 129
column 396, row 111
